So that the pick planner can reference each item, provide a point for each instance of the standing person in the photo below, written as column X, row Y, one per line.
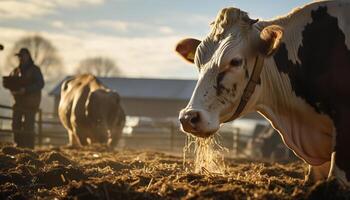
column 27, row 99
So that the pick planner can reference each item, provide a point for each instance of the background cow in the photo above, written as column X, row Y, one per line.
column 267, row 144
column 90, row 112
column 294, row 70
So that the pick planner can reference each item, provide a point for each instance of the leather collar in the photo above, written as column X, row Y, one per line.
column 250, row 87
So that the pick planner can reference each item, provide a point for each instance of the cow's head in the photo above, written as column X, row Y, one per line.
column 225, row 60
column 102, row 109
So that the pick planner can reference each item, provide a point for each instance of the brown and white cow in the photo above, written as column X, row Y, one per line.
column 90, row 112
column 294, row 70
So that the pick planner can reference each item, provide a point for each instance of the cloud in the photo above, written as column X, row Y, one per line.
column 202, row 19
column 116, row 26
column 57, row 24
column 136, row 56
column 166, row 30
column 76, row 3
column 127, row 26
column 23, row 9
column 112, row 24
column 27, row 9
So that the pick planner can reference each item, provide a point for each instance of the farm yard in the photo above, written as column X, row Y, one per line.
column 96, row 173
column 95, row 103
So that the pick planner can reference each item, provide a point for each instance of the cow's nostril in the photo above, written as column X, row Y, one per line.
column 195, row 118
column 183, row 120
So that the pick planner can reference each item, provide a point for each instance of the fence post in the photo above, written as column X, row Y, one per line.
column 40, row 128
column 235, row 141
column 172, row 130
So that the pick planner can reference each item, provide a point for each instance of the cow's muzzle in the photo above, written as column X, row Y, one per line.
column 195, row 122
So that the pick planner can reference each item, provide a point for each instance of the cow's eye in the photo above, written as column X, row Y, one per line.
column 236, row 62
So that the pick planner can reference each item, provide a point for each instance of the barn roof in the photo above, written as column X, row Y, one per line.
column 172, row 89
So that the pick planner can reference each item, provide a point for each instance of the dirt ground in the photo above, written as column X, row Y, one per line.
column 96, row 173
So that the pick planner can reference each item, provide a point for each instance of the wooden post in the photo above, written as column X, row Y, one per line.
column 40, row 128
column 238, row 139
column 172, row 130
column 235, row 141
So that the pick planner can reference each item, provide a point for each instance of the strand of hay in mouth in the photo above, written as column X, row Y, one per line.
column 207, row 154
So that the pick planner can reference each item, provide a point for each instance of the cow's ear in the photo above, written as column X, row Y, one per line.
column 187, row 48
column 270, row 39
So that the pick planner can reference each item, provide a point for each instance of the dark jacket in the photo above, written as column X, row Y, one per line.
column 31, row 79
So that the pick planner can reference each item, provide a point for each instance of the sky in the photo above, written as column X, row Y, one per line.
column 140, row 35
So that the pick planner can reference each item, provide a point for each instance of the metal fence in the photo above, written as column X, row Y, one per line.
column 164, row 137
column 42, row 119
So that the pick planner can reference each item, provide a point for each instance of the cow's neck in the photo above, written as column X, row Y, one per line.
column 299, row 124
column 276, row 99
